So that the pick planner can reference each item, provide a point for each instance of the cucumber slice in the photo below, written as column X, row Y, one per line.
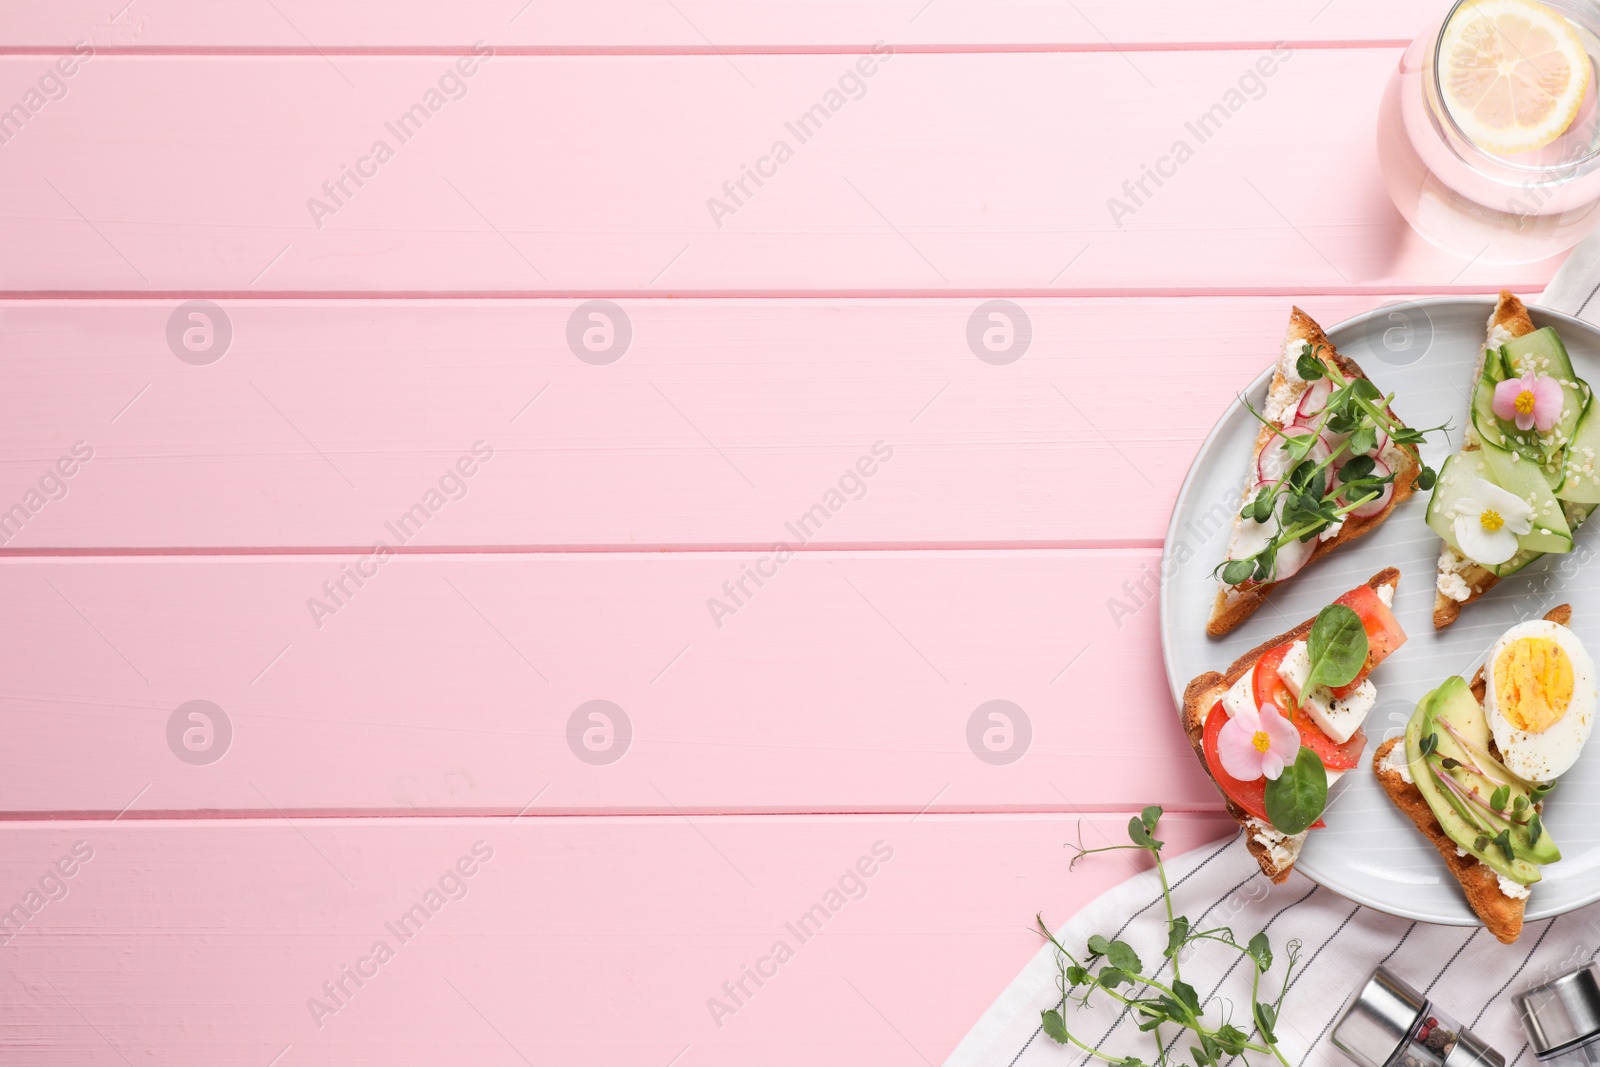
column 1514, row 564
column 1550, row 533
column 1575, row 516
column 1581, row 463
column 1541, row 448
column 1540, row 351
column 1515, row 474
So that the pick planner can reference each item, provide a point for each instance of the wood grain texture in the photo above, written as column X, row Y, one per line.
column 947, row 174
column 179, row 517
column 697, row 25
column 723, row 423
column 569, row 927
column 846, row 682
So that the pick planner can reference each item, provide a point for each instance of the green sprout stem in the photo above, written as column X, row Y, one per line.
column 1348, row 402
column 1157, row 1003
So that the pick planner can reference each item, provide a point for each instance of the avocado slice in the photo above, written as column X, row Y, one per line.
column 1464, row 821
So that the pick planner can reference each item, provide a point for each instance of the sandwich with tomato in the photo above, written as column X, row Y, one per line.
column 1285, row 720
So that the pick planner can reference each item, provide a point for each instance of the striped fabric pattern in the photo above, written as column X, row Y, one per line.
column 1463, row 970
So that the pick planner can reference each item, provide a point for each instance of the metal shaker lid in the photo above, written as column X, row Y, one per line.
column 1378, row 1021
column 1563, row 1012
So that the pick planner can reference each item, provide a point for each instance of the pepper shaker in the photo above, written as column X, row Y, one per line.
column 1389, row 1024
column 1562, row 1018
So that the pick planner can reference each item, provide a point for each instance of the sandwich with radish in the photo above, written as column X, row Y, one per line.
column 1331, row 463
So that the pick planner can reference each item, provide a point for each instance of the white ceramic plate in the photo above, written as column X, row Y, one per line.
column 1424, row 351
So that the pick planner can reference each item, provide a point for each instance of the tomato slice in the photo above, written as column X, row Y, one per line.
column 1251, row 796
column 1270, row 688
column 1334, row 756
column 1384, row 634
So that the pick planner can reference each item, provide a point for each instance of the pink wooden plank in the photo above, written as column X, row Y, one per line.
column 723, row 421
column 847, row 682
column 696, row 25
column 950, row 173
column 576, row 941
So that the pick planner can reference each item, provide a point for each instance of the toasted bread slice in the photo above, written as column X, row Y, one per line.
column 1234, row 604
column 1275, row 852
column 1501, row 915
column 1459, row 575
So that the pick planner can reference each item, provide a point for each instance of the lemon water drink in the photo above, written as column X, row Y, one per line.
column 1489, row 134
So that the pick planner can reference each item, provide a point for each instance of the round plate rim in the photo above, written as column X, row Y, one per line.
column 1559, row 319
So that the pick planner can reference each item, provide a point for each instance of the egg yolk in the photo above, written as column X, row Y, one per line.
column 1533, row 683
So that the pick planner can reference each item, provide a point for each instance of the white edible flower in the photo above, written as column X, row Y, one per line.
column 1489, row 521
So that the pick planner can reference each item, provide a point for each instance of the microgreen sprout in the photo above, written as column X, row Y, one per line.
column 1106, row 965
column 1316, row 494
column 1512, row 802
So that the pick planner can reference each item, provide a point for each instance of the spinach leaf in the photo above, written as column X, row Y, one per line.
column 1337, row 647
column 1296, row 798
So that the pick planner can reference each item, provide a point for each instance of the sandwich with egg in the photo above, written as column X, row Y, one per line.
column 1331, row 462
column 1284, row 722
column 1526, row 476
column 1478, row 759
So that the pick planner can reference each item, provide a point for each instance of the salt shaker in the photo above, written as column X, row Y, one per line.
column 1389, row 1024
column 1562, row 1018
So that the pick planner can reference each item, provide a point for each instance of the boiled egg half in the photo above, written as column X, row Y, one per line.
column 1539, row 697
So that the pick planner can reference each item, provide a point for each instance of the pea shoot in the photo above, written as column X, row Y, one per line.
column 1323, row 484
column 1111, row 969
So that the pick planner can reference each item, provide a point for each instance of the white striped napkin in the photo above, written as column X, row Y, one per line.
column 1575, row 288
column 1463, row 970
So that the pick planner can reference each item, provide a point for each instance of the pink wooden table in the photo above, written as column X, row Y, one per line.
column 398, row 502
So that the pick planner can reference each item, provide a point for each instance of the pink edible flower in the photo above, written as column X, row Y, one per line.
column 1529, row 401
column 1254, row 743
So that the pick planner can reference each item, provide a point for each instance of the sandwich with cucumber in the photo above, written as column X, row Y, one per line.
column 1331, row 462
column 1478, row 759
column 1284, row 722
column 1526, row 476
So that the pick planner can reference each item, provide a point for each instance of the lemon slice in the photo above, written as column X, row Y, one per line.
column 1513, row 74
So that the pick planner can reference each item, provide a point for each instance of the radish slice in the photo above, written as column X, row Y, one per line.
column 1379, row 502
column 1291, row 557
column 1253, row 537
column 1313, row 401
column 1383, row 443
column 1273, row 462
